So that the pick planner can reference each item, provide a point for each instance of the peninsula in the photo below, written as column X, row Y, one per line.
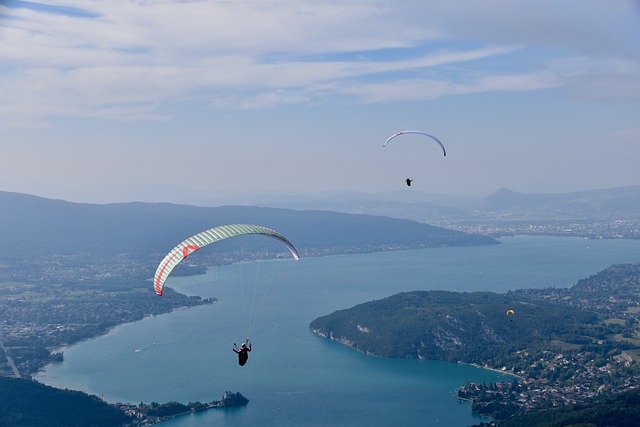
column 569, row 346
column 146, row 414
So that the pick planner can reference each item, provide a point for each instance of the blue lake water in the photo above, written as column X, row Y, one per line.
column 295, row 377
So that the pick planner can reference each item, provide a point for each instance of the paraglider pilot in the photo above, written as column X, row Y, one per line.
column 243, row 352
column 408, row 181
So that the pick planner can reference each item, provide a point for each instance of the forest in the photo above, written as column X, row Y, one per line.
column 468, row 327
column 31, row 404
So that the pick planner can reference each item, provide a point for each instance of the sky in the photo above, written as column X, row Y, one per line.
column 190, row 101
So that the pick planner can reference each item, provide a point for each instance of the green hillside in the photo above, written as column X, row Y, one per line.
column 28, row 403
column 441, row 325
column 37, row 227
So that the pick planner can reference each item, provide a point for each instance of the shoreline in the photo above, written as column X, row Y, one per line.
column 349, row 344
column 500, row 371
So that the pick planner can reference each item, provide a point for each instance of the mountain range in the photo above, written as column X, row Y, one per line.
column 319, row 222
column 620, row 202
column 31, row 225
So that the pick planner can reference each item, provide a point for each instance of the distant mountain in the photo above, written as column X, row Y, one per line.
column 594, row 204
column 31, row 225
column 621, row 202
column 414, row 205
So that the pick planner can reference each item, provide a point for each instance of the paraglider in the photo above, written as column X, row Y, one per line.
column 510, row 313
column 193, row 243
column 413, row 156
column 207, row 237
column 418, row 132
column 243, row 352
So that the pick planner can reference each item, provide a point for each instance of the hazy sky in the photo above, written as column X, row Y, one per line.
column 179, row 101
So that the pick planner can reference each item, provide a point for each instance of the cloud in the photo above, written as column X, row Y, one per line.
column 609, row 79
column 416, row 89
column 134, row 60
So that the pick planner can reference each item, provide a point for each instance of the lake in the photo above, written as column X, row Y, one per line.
column 295, row 377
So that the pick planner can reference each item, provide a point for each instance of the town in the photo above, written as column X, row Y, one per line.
column 627, row 228
column 153, row 413
column 576, row 372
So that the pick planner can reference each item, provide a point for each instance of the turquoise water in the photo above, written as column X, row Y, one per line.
column 295, row 377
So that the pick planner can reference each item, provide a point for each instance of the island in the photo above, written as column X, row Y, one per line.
column 565, row 347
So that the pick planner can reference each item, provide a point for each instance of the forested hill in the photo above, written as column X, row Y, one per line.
column 475, row 327
column 34, row 226
column 441, row 325
column 28, row 403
